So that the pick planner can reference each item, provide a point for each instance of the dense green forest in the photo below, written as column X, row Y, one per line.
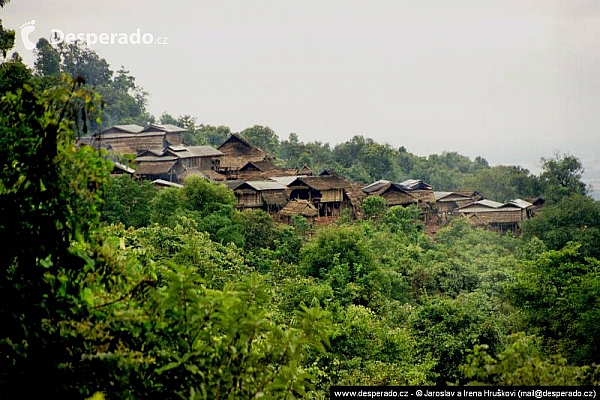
column 112, row 287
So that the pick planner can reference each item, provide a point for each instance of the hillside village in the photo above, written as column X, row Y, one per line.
column 258, row 183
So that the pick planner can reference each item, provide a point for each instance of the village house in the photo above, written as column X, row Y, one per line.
column 497, row 216
column 394, row 194
column 132, row 139
column 326, row 193
column 303, row 208
column 447, row 203
column 238, row 152
column 269, row 196
column 154, row 167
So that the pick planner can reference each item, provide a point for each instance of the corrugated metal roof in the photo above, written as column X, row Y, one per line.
column 520, row 203
column 266, row 185
column 416, row 184
column 284, row 180
column 177, row 147
column 441, row 195
column 481, row 206
column 117, row 135
column 375, row 186
column 155, row 159
column 124, row 168
column 163, row 128
column 162, row 182
column 489, row 203
column 204, row 151
column 130, row 128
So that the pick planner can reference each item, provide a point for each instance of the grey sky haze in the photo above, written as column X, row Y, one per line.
column 508, row 80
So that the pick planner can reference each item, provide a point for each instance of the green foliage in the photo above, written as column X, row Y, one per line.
column 7, row 36
column 523, row 363
column 573, row 218
column 338, row 249
column 447, row 329
column 127, row 201
column 13, row 75
column 262, row 137
column 561, row 177
column 503, row 183
column 258, row 229
column 403, row 219
column 123, row 101
column 562, row 289
column 48, row 196
column 374, row 207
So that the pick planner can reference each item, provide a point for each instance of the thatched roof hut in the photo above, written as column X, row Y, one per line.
column 393, row 193
column 303, row 208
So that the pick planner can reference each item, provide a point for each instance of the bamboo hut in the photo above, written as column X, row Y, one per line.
column 303, row 208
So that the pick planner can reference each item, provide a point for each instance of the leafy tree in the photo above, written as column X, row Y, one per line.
column 561, row 177
column 262, row 137
column 259, row 230
column 559, row 295
column 48, row 58
column 447, row 329
column 343, row 246
column 574, row 218
column 7, row 37
column 502, row 183
column 374, row 207
column 14, row 75
column 123, row 101
column 523, row 363
column 48, row 196
column 127, row 201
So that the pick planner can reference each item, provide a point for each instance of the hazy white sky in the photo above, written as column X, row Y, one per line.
column 508, row 80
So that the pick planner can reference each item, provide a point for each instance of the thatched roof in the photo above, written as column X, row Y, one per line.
column 155, row 159
column 328, row 172
column 305, row 170
column 263, row 165
column 450, row 196
column 273, row 198
column 121, row 148
column 155, row 168
column 321, row 182
column 299, row 207
column 233, row 184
